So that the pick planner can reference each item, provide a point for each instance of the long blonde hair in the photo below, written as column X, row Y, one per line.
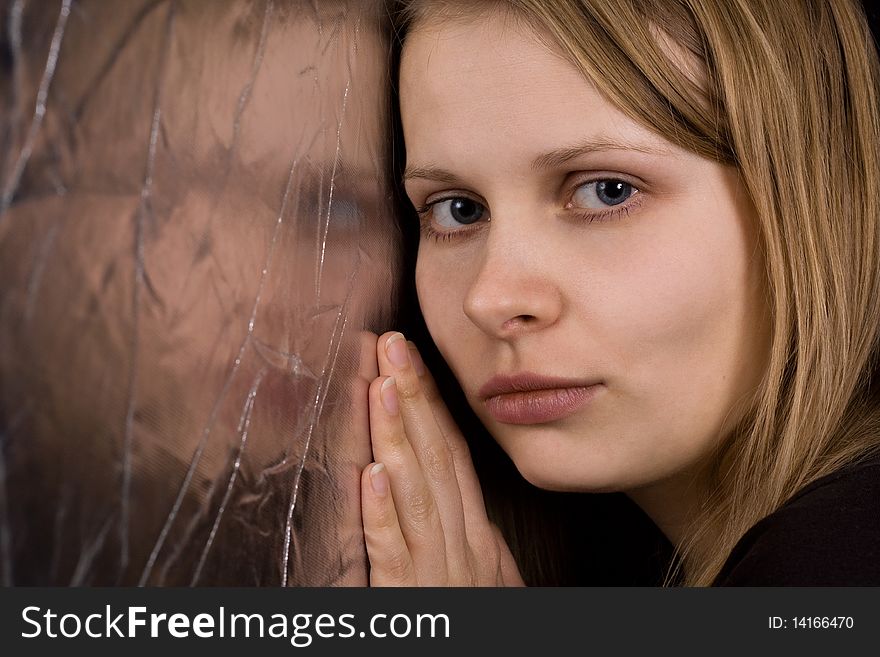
column 789, row 94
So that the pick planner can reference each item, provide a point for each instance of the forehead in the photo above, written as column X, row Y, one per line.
column 489, row 82
column 443, row 61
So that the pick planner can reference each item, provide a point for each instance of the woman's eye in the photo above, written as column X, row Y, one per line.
column 600, row 194
column 453, row 212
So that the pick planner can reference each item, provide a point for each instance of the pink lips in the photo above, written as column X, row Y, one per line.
column 529, row 398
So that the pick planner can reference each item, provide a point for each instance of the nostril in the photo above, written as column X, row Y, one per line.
column 519, row 320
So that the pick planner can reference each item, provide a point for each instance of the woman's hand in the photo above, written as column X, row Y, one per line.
column 424, row 518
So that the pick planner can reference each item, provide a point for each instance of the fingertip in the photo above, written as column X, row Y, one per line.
column 382, row 341
column 375, row 481
column 396, row 352
column 379, row 482
column 388, row 395
column 377, row 505
column 383, row 395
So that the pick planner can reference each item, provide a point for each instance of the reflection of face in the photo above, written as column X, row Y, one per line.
column 266, row 248
column 630, row 264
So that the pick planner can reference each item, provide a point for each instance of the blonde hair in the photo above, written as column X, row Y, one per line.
column 789, row 94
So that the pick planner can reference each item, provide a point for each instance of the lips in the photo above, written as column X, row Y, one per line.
column 528, row 398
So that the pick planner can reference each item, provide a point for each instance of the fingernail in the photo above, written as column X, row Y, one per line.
column 388, row 394
column 397, row 352
column 379, row 479
column 416, row 358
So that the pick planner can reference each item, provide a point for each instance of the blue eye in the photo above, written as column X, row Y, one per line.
column 454, row 212
column 600, row 194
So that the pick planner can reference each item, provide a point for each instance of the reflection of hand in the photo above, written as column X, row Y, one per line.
column 425, row 522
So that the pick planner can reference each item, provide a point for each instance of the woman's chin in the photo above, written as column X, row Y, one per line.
column 554, row 470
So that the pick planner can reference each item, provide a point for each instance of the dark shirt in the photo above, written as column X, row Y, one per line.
column 828, row 534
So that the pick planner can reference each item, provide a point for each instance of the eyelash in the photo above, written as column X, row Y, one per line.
column 613, row 213
column 426, row 231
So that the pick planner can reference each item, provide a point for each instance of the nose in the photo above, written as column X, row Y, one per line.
column 514, row 292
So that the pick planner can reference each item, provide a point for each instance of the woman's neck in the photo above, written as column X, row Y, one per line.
column 673, row 503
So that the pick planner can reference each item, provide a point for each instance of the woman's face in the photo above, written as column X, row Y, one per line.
column 564, row 240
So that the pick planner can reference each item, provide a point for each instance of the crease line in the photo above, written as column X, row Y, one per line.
column 143, row 209
column 326, row 215
column 318, row 406
column 39, row 109
column 36, row 278
column 245, row 95
column 243, row 101
column 243, row 428
column 13, row 33
column 326, row 219
column 166, row 528
column 127, row 34
column 336, row 337
column 86, row 557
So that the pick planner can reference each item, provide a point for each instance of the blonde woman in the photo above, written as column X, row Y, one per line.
column 650, row 256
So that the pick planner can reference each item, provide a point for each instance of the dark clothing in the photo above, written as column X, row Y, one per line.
column 828, row 534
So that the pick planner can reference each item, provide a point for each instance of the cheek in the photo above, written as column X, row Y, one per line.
column 671, row 299
column 441, row 287
column 432, row 294
column 686, row 316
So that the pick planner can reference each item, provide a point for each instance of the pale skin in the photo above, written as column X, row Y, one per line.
column 526, row 265
column 425, row 522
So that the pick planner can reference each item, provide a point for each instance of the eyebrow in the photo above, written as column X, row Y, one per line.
column 550, row 160
column 560, row 156
column 430, row 173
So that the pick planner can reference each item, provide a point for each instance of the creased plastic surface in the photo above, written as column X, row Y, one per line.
column 194, row 237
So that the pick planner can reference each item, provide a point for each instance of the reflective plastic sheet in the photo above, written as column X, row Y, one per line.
column 195, row 241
